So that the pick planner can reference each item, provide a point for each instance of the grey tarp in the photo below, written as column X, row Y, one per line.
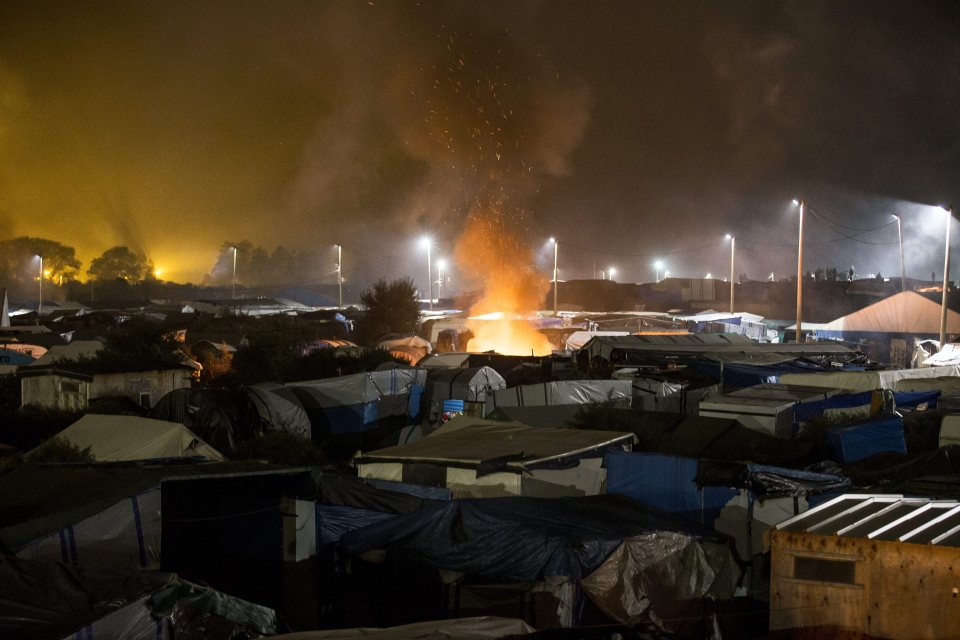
column 473, row 384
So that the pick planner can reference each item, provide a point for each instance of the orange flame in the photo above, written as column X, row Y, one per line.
column 512, row 288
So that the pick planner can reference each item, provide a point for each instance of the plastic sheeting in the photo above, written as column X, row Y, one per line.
column 333, row 522
column 563, row 392
column 42, row 600
column 349, row 491
column 765, row 481
column 123, row 536
column 655, row 576
column 577, row 339
column 859, row 441
column 520, row 538
column 113, row 438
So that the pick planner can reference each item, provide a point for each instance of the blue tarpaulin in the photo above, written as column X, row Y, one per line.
column 334, row 521
column 910, row 399
column 520, row 538
column 748, row 375
column 865, row 439
column 666, row 482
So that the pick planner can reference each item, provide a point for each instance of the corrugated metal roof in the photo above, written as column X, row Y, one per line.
column 882, row 517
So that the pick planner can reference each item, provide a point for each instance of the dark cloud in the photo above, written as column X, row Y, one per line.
column 627, row 129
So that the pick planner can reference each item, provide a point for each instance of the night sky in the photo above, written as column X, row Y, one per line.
column 628, row 130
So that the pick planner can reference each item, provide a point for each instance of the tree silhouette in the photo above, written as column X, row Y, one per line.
column 120, row 263
column 391, row 308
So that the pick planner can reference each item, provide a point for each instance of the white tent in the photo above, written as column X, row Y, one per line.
column 114, row 438
column 906, row 312
column 473, row 384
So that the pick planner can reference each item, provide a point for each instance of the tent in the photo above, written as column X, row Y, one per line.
column 890, row 328
column 473, row 385
column 212, row 414
column 358, row 402
column 563, row 392
column 276, row 412
column 856, row 442
column 113, row 438
column 474, row 457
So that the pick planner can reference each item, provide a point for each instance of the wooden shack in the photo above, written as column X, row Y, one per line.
column 867, row 566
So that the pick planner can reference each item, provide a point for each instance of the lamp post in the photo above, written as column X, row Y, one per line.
column 658, row 265
column 903, row 271
column 733, row 250
column 340, row 276
column 800, row 271
column 946, row 279
column 556, row 285
column 40, row 290
column 611, row 272
column 233, row 282
column 425, row 242
column 441, row 269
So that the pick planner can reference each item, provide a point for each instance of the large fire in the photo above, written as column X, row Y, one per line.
column 512, row 289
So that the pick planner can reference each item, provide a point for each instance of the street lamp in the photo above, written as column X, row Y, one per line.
column 611, row 272
column 441, row 268
column 556, row 285
column 903, row 271
column 40, row 290
column 233, row 282
column 340, row 276
column 733, row 249
column 425, row 242
column 658, row 265
column 800, row 270
column 946, row 281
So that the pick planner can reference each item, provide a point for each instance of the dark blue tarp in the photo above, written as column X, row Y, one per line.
column 334, row 521
column 666, row 482
column 765, row 481
column 519, row 538
column 865, row 439
column 748, row 375
column 804, row 411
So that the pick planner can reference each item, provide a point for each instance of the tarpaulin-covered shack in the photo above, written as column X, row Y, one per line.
column 634, row 562
column 473, row 385
column 563, row 392
column 474, row 457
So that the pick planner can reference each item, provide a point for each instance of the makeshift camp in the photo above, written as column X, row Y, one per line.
column 862, row 440
column 635, row 562
column 40, row 600
column 858, row 566
column 865, row 404
column 888, row 330
column 853, row 381
column 113, row 438
column 678, row 391
column 474, row 457
column 563, row 392
column 765, row 407
column 577, row 339
column 473, row 385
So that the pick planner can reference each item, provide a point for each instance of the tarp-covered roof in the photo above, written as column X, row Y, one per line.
column 905, row 312
column 852, row 381
column 520, row 538
column 113, row 438
column 472, row 441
